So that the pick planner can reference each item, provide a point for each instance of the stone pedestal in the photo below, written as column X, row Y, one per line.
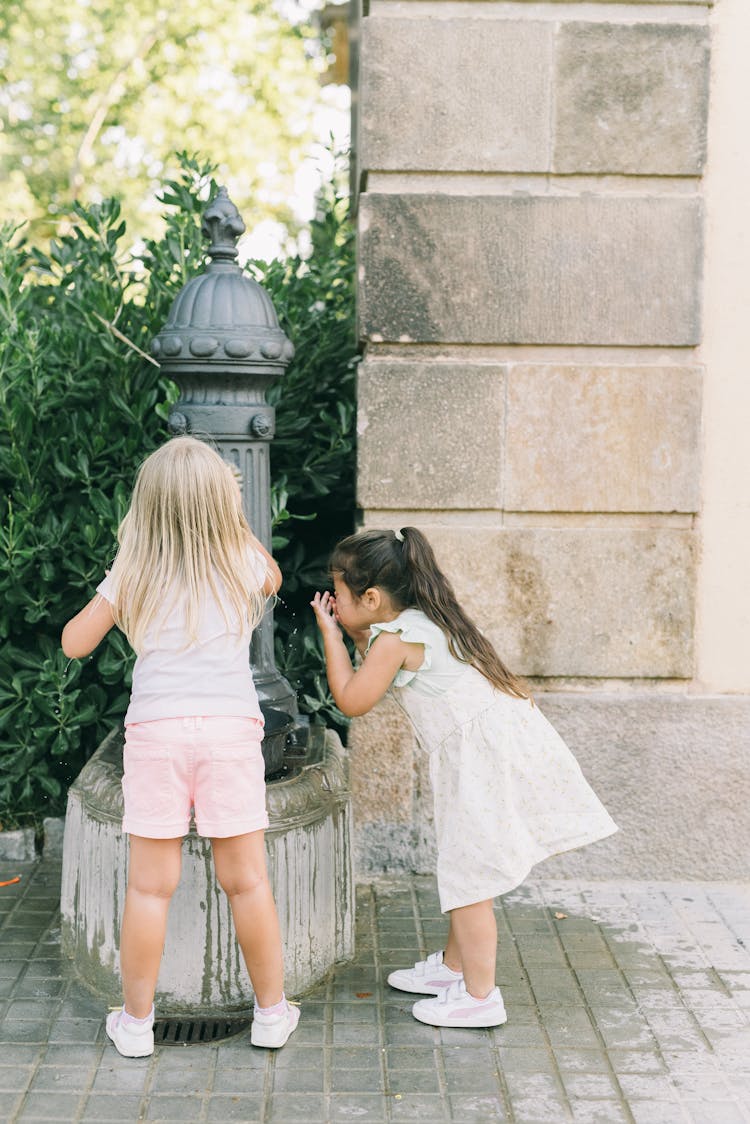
column 310, row 866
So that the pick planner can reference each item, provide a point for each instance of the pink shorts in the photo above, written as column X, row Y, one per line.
column 211, row 765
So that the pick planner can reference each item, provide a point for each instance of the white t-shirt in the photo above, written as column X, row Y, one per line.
column 212, row 677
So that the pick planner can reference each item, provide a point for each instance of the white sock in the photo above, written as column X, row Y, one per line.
column 452, row 971
column 277, row 1009
column 129, row 1020
column 476, row 999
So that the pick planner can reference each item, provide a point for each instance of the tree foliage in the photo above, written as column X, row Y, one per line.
column 97, row 93
column 80, row 406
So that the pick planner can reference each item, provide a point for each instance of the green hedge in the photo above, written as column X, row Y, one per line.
column 81, row 405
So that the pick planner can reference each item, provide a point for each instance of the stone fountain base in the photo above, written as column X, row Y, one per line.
column 310, row 866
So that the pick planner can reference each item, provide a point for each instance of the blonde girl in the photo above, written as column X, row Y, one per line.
column 507, row 791
column 188, row 586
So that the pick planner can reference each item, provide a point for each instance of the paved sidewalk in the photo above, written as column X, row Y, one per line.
column 627, row 1001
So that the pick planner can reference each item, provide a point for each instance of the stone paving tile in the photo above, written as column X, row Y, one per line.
column 658, row 1112
column 45, row 968
column 25, row 1030
column 32, row 987
column 9, row 1103
column 538, row 1109
column 522, row 1060
column 417, row 1106
column 60, row 1078
column 590, row 1086
column 110, row 1108
column 572, row 1060
column 15, row 1079
column 715, row 1112
column 310, row 1107
column 634, row 1007
column 74, row 1030
column 366, row 1107
column 124, row 1078
column 355, row 1013
column 50, row 1106
column 410, row 1057
column 479, row 1108
column 637, row 1061
column 472, row 1081
column 298, row 1081
column 235, row 1082
column 373, row 1081
column 403, row 1081
column 293, row 1056
column 67, row 1053
column 599, row 1112
column 241, row 1108
column 174, row 1108
column 354, row 1057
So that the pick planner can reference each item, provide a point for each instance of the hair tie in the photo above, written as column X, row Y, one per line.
column 399, row 536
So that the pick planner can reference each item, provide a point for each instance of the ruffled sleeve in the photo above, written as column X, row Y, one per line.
column 411, row 632
column 106, row 589
column 258, row 566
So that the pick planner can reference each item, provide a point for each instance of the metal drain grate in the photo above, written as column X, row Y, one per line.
column 196, row 1032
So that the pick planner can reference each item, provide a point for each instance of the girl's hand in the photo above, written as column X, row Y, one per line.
column 324, row 607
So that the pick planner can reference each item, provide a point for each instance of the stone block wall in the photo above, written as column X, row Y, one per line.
column 532, row 229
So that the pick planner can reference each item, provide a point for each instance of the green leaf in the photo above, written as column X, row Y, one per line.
column 79, row 411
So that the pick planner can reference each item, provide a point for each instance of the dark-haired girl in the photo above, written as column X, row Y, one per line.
column 507, row 790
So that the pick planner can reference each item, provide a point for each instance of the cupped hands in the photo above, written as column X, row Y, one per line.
column 324, row 607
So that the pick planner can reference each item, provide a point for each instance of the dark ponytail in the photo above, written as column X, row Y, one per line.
column 404, row 565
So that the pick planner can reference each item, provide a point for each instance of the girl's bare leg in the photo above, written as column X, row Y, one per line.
column 472, row 946
column 241, row 870
column 153, row 874
column 451, row 954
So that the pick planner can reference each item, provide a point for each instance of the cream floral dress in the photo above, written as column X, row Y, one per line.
column 508, row 792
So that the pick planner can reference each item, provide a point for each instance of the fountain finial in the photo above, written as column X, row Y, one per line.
column 223, row 224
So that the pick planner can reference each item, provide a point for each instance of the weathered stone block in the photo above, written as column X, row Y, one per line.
column 455, row 94
column 602, row 438
column 429, row 435
column 596, row 602
column 54, row 834
column 390, row 848
column 674, row 772
column 392, row 812
column 17, row 846
column 531, row 269
column 382, row 786
column 631, row 98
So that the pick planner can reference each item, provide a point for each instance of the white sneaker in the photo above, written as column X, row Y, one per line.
column 133, row 1039
column 272, row 1031
column 427, row 977
column 455, row 1007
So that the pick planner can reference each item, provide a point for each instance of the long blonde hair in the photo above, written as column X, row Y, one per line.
column 185, row 535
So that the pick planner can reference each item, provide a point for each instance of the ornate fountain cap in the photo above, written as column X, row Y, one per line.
column 222, row 319
column 223, row 224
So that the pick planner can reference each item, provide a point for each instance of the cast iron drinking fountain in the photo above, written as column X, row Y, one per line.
column 223, row 346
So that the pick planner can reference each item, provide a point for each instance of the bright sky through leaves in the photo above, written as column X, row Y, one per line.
column 98, row 95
